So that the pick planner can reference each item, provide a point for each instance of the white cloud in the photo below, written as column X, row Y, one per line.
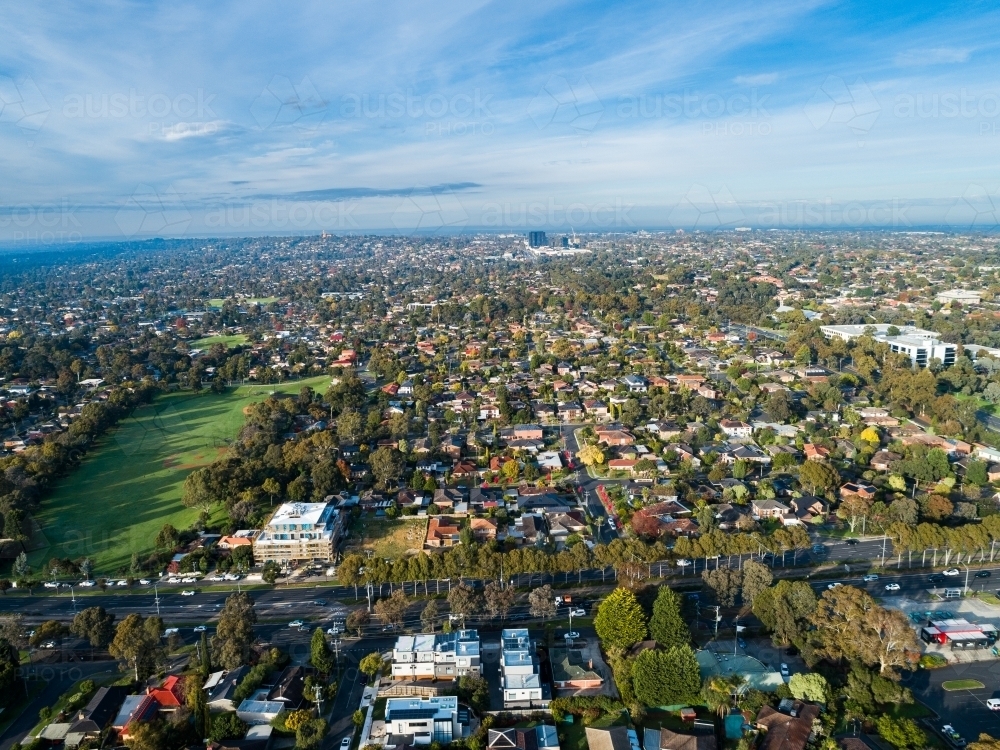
column 933, row 56
column 760, row 79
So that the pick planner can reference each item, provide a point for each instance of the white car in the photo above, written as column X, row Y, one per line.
column 835, row 584
column 951, row 572
column 173, row 579
column 122, row 582
column 784, row 669
column 144, row 581
column 51, row 584
column 87, row 584
column 231, row 577
column 579, row 612
column 200, row 629
column 333, row 631
column 189, row 579
column 216, row 578
column 892, row 587
column 188, row 592
column 870, row 577
column 49, row 644
column 296, row 624
column 345, row 743
column 571, row 636
column 683, row 563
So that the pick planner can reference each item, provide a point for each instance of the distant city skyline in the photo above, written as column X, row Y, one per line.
column 130, row 122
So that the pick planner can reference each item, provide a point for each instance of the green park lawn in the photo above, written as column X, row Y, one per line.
column 219, row 302
column 131, row 483
column 236, row 339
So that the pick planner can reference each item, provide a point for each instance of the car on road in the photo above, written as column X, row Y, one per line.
column 122, row 582
column 189, row 579
column 850, row 542
column 230, row 577
column 869, row 578
column 51, row 584
column 783, row 669
column 319, row 602
column 173, row 579
column 144, row 581
column 952, row 736
column 571, row 635
column 983, row 574
column 188, row 592
column 335, row 630
column 216, row 577
column 200, row 629
column 87, row 584
column 935, row 578
column 296, row 624
column 892, row 587
column 835, row 584
column 682, row 563
column 49, row 644
column 345, row 743
column 578, row 612
column 951, row 572
column 741, row 643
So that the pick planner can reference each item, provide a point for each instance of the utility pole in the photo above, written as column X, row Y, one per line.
column 156, row 598
column 319, row 700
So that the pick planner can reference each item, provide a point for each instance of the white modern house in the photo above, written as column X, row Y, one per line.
column 430, row 656
column 519, row 674
column 421, row 721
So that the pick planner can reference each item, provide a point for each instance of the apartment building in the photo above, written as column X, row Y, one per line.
column 430, row 656
column 519, row 673
column 299, row 532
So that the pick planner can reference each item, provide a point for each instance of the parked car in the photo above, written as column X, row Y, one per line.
column 345, row 743
column 892, row 587
column 783, row 669
column 231, row 577
column 951, row 572
column 189, row 579
column 87, row 584
column 983, row 574
column 173, row 579
column 578, row 612
column 870, row 577
column 51, row 584
column 188, row 592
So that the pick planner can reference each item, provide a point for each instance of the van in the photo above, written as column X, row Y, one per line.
column 993, row 704
column 953, row 593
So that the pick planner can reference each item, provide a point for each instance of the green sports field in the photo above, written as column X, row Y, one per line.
column 219, row 302
column 236, row 339
column 130, row 485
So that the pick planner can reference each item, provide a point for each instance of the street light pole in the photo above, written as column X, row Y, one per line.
column 156, row 599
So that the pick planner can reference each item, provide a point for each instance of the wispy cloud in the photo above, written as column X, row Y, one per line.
column 933, row 56
column 760, row 79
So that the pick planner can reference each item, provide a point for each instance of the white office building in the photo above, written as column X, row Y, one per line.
column 519, row 673
column 299, row 532
column 919, row 344
column 430, row 656
column 421, row 721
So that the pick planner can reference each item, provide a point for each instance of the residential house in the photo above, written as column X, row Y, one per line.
column 883, row 460
column 769, row 508
column 815, row 452
column 570, row 411
column 597, row 410
column 860, row 489
column 257, row 712
column 424, row 720
column 431, row 656
column 442, row 532
column 135, row 708
column 787, row 730
column 635, row 383
column 700, row 738
column 519, row 671
column 289, row 687
column 614, row 437
column 735, row 429
column 483, row 529
column 611, row 738
column 221, row 686
column 93, row 718
column 540, row 737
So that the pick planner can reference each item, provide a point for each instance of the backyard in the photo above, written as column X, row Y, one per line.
column 131, row 483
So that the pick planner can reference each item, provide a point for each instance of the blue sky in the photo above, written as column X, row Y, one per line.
column 187, row 119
